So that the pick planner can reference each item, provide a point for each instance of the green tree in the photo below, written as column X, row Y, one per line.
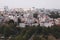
column 54, row 15
column 35, row 15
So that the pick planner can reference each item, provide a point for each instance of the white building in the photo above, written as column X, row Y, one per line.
column 22, row 25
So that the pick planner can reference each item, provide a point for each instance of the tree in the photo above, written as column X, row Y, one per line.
column 7, row 30
column 19, row 20
column 55, row 31
column 10, row 21
column 35, row 15
column 54, row 15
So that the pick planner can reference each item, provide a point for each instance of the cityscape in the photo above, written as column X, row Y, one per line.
column 29, row 19
column 29, row 24
column 32, row 16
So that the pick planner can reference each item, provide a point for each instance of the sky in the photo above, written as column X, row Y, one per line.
column 48, row 4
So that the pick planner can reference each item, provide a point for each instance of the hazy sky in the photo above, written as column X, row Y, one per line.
column 30, row 3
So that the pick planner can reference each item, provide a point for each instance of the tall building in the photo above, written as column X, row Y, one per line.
column 6, row 9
